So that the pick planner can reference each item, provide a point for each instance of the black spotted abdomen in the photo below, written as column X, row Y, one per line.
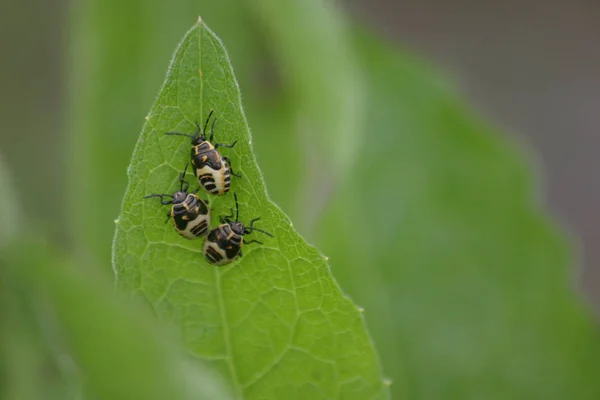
column 222, row 246
column 191, row 218
column 211, row 169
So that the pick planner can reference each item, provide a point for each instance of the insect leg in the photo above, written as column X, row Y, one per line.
column 251, row 228
column 229, row 146
column 228, row 161
column 162, row 201
column 252, row 223
column 226, row 219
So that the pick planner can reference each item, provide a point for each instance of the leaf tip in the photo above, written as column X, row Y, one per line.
column 361, row 310
column 199, row 21
column 387, row 382
column 147, row 117
column 117, row 221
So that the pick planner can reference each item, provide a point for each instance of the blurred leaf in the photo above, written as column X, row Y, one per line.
column 120, row 351
column 466, row 285
column 57, row 319
column 29, row 368
column 34, row 365
column 21, row 356
column 321, row 76
column 274, row 322
column 24, row 372
column 9, row 207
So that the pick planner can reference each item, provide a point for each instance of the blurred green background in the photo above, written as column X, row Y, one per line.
column 431, row 218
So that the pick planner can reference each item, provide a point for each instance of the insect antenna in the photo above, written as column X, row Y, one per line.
column 212, row 129
column 182, row 179
column 206, row 123
column 237, row 208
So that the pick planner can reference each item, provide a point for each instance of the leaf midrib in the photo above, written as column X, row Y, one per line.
column 222, row 312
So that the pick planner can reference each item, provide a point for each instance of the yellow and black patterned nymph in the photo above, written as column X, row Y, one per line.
column 212, row 170
column 224, row 243
column 190, row 214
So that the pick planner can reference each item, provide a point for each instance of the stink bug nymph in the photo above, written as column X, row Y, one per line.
column 190, row 214
column 224, row 243
column 212, row 170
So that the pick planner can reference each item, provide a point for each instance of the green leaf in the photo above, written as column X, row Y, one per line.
column 469, row 292
column 274, row 323
column 117, row 60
